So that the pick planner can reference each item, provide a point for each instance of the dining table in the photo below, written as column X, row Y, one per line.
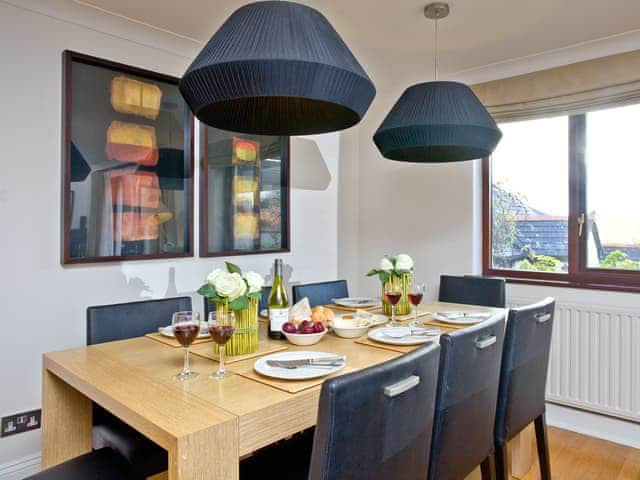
column 207, row 426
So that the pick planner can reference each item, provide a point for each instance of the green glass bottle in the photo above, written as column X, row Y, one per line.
column 278, row 303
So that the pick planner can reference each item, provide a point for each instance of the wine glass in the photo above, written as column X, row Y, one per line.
column 221, row 328
column 415, row 298
column 186, row 326
column 392, row 296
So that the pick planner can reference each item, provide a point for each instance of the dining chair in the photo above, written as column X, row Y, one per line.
column 102, row 464
column 263, row 304
column 321, row 293
column 470, row 290
column 372, row 424
column 523, row 379
column 120, row 321
column 466, row 401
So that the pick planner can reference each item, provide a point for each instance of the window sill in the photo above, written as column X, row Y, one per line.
column 570, row 284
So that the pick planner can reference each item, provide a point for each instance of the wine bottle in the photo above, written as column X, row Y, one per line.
column 278, row 303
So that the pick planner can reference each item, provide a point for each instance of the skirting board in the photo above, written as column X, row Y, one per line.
column 595, row 425
column 19, row 469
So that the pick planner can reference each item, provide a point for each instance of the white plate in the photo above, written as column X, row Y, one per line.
column 461, row 318
column 264, row 313
column 168, row 331
column 381, row 335
column 357, row 302
column 301, row 373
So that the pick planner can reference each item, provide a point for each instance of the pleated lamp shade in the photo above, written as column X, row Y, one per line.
column 437, row 122
column 277, row 68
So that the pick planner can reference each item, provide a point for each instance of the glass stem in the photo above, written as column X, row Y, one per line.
column 415, row 316
column 186, row 370
column 221, row 367
column 393, row 315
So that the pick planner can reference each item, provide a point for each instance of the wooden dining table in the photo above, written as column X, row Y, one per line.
column 205, row 425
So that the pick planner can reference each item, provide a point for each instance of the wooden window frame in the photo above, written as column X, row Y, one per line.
column 579, row 275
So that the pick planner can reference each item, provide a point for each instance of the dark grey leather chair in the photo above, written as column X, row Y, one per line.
column 523, row 379
column 117, row 322
column 466, row 402
column 263, row 304
column 470, row 290
column 373, row 424
column 103, row 464
column 320, row 293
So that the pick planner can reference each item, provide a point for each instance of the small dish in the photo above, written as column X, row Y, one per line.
column 356, row 302
column 304, row 339
column 352, row 325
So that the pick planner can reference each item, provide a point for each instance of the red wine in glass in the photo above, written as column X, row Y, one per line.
column 415, row 298
column 186, row 333
column 221, row 333
column 393, row 297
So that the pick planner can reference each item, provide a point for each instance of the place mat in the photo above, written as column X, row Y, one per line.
column 387, row 346
column 172, row 342
column 290, row 386
column 333, row 306
column 264, row 347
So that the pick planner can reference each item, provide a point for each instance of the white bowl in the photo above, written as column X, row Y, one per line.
column 341, row 329
column 304, row 339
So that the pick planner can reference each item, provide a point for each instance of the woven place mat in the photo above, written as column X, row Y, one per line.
column 172, row 342
column 291, row 386
column 264, row 347
column 387, row 346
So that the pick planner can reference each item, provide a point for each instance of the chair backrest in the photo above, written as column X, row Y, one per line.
column 107, row 323
column 262, row 304
column 320, row 293
column 466, row 402
column 523, row 375
column 489, row 292
column 377, row 423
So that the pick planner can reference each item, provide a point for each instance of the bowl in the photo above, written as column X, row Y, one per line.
column 304, row 339
column 349, row 326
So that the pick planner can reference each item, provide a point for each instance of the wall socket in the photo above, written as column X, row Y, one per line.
column 20, row 422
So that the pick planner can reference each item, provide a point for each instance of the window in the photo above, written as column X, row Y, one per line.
column 560, row 200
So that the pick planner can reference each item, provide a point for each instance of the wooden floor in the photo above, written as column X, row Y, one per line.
column 579, row 457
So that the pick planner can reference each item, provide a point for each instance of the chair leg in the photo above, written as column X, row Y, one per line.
column 542, row 443
column 501, row 458
column 487, row 469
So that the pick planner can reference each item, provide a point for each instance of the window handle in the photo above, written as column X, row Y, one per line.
column 580, row 224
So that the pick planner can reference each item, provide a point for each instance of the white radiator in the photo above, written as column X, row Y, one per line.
column 595, row 359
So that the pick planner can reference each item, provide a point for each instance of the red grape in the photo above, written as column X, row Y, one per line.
column 289, row 327
column 318, row 327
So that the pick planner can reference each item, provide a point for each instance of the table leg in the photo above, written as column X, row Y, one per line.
column 522, row 452
column 210, row 454
column 66, row 421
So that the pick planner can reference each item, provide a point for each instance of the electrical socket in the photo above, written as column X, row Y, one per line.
column 20, row 422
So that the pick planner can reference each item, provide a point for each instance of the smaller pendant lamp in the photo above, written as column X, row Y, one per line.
column 436, row 122
column 277, row 68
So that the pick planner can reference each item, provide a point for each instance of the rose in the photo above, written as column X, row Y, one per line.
column 404, row 262
column 386, row 265
column 255, row 281
column 213, row 276
column 230, row 285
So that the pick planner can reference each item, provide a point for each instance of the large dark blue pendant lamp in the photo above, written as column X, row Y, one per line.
column 277, row 68
column 436, row 122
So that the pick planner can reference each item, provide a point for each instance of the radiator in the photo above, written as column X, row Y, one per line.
column 595, row 359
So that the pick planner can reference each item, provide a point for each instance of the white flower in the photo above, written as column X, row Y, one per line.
column 255, row 281
column 404, row 262
column 213, row 276
column 231, row 286
column 386, row 265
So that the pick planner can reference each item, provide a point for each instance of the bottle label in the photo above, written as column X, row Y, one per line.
column 277, row 318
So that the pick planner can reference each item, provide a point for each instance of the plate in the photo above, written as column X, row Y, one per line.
column 300, row 373
column 357, row 302
column 264, row 313
column 168, row 331
column 461, row 318
column 382, row 335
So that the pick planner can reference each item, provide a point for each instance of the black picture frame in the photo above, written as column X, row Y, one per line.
column 281, row 147
column 153, row 218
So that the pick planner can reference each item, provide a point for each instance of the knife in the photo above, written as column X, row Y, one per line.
column 328, row 361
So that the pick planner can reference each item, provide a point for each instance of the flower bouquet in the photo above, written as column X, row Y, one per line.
column 395, row 273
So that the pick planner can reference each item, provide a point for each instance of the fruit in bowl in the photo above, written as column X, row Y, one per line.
column 306, row 333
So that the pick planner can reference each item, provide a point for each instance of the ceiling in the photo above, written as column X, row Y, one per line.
column 477, row 33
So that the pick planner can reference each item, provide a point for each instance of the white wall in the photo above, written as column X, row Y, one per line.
column 42, row 304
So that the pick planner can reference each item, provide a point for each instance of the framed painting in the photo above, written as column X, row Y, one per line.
column 244, row 193
column 127, row 190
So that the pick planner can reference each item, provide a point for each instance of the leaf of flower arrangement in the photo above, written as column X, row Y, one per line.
column 206, row 290
column 239, row 303
column 233, row 268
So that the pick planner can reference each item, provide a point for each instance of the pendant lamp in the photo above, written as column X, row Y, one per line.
column 436, row 122
column 277, row 68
